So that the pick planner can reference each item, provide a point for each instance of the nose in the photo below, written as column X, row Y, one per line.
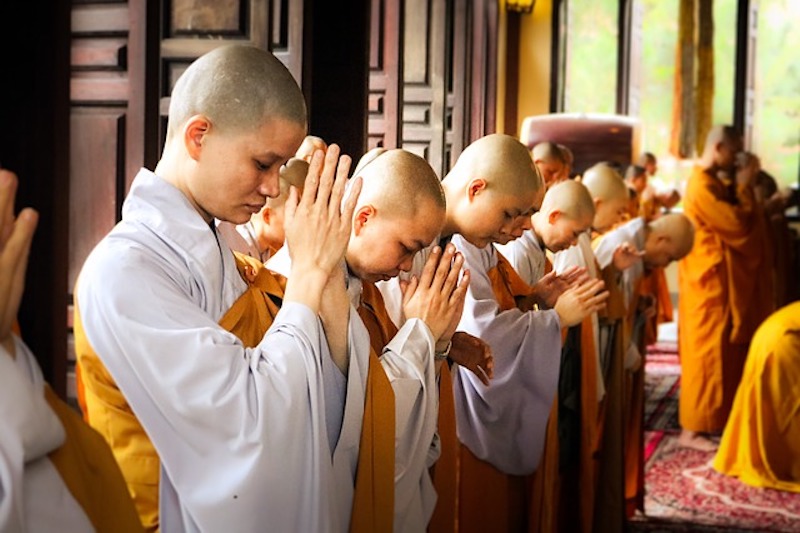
column 406, row 264
column 270, row 185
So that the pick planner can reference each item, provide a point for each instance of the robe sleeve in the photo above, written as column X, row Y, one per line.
column 408, row 363
column 241, row 432
column 505, row 423
column 525, row 256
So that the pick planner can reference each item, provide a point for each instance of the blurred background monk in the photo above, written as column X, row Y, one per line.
column 761, row 443
column 722, row 299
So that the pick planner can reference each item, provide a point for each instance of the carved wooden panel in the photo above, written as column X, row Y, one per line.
column 195, row 27
column 449, row 77
column 107, row 127
column 385, row 66
column 424, row 83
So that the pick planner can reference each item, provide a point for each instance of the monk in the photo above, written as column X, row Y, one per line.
column 761, row 441
column 721, row 291
column 401, row 209
column 658, row 243
column 600, row 482
column 56, row 473
column 216, row 427
column 490, row 195
column 663, row 197
column 263, row 235
column 566, row 213
column 775, row 201
column 569, row 161
column 550, row 161
column 610, row 196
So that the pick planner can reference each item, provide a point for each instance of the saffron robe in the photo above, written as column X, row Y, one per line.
column 406, row 361
column 721, row 298
column 56, row 473
column 761, row 441
column 225, row 423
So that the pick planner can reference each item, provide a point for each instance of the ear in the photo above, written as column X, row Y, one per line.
column 554, row 215
column 475, row 187
column 194, row 132
column 362, row 215
column 597, row 202
column 265, row 214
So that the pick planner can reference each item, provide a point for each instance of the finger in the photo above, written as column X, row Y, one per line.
column 328, row 176
column 14, row 265
column 430, row 267
column 8, row 190
column 443, row 268
column 311, row 184
column 453, row 272
column 291, row 205
column 458, row 296
column 340, row 184
column 411, row 288
column 482, row 375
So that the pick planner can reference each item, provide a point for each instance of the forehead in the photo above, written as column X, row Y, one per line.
column 520, row 203
column 421, row 225
column 276, row 136
column 578, row 224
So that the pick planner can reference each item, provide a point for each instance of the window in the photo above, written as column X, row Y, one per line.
column 591, row 66
column 776, row 113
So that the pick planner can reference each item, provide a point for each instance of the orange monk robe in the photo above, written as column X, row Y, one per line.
column 373, row 508
column 761, row 441
column 90, row 472
column 722, row 298
column 609, row 506
column 583, row 478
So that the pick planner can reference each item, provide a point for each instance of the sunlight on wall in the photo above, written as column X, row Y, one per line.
column 534, row 62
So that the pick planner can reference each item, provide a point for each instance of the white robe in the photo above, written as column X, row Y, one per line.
column 632, row 232
column 33, row 497
column 503, row 424
column 582, row 255
column 242, row 433
column 526, row 256
column 242, row 238
column 408, row 363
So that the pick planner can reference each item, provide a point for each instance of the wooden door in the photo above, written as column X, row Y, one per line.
column 125, row 59
column 442, row 56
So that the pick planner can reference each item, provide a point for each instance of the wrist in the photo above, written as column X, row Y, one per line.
column 442, row 351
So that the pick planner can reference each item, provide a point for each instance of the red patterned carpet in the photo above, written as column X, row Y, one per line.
column 683, row 492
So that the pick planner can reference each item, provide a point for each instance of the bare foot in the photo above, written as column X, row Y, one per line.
column 695, row 441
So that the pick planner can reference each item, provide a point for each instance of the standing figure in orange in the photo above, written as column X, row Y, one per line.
column 722, row 297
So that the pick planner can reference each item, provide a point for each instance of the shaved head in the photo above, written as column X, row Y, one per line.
column 398, row 182
column 236, row 87
column 722, row 144
column 310, row 144
column 680, row 230
column 400, row 211
column 567, row 155
column 547, row 151
column 293, row 173
column 604, row 183
column 502, row 161
column 571, row 198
